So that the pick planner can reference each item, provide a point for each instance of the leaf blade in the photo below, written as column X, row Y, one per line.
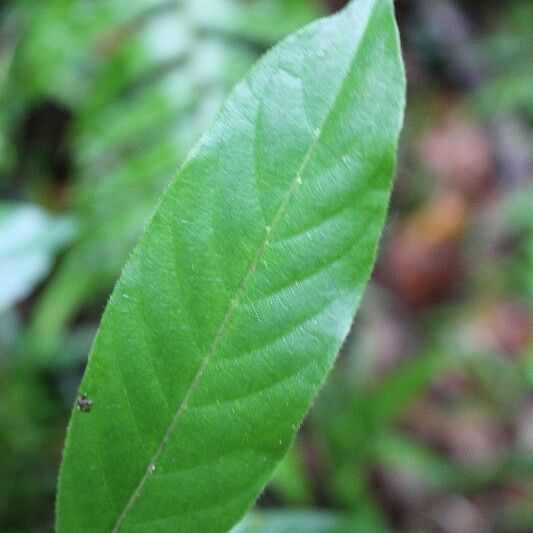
column 297, row 154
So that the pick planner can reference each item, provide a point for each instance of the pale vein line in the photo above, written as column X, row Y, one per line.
column 234, row 303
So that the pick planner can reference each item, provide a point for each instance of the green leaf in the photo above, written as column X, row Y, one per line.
column 297, row 521
column 398, row 391
column 290, row 480
column 231, row 310
column 264, row 22
column 29, row 239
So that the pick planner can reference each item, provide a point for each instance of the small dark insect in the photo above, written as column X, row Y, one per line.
column 83, row 403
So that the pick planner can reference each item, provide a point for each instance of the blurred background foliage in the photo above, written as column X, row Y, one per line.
column 427, row 421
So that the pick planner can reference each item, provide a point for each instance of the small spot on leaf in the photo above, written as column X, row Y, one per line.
column 83, row 403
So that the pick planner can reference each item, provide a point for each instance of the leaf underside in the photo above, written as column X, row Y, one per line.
column 231, row 310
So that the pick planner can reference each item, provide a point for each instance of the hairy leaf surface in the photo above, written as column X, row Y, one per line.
column 231, row 310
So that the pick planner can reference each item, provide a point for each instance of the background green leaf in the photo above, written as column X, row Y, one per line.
column 232, row 308
column 29, row 239
column 295, row 522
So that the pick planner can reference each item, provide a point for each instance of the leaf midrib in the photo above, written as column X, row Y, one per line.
column 235, row 301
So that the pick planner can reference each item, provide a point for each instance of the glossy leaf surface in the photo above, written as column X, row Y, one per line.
column 232, row 308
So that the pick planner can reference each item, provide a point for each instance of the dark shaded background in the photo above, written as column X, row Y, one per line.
column 427, row 421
